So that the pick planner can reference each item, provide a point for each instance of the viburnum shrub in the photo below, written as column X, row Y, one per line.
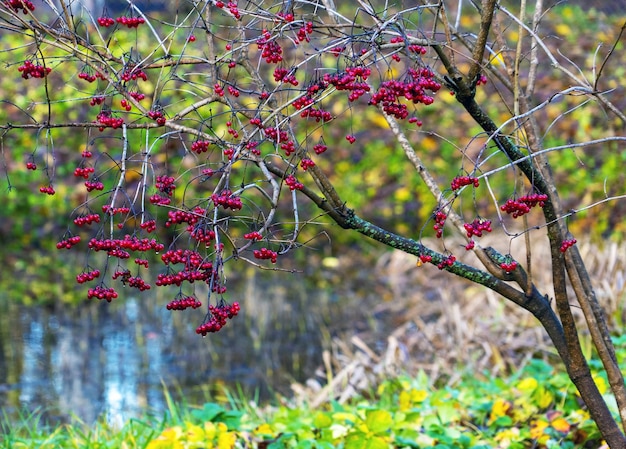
column 206, row 130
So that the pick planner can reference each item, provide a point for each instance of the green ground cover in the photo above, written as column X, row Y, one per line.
column 536, row 407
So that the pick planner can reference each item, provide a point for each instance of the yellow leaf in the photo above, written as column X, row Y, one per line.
column 543, row 398
column 226, row 440
column 560, row 425
column 170, row 438
column 601, row 383
column 498, row 60
column 410, row 397
column 209, row 430
column 537, row 428
column 418, row 395
column 379, row 121
column 527, row 385
column 507, row 436
column 344, row 416
column 195, row 433
column 404, row 400
column 563, row 29
column 264, row 429
column 500, row 408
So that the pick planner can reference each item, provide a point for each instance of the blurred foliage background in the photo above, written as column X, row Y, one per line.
column 373, row 176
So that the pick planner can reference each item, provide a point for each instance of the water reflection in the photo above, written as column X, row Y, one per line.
column 113, row 359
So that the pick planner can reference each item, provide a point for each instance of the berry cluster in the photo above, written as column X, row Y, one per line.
column 304, row 31
column 181, row 216
column 227, row 200
column 137, row 95
column 317, row 114
column 184, row 303
column 125, row 104
column 97, row 100
column 182, row 276
column 522, row 205
column 105, row 119
column 447, row 262
column 567, row 244
column 440, row 220
column 165, row 184
column 102, row 292
column 232, row 8
column 124, row 274
column 94, row 185
column 232, row 131
column 482, row 79
column 29, row 70
column 425, row 258
column 265, row 254
column 413, row 89
column 148, row 226
column 461, row 181
column 285, row 76
column 253, row 236
column 157, row 116
column 130, row 22
column 89, row 77
column 119, row 253
column 159, row 200
column 287, row 17
column 130, row 243
column 293, row 183
column 23, row 5
column 133, row 74
column 306, row 163
column 69, row 242
column 271, row 51
column 336, row 51
column 83, row 172
column 136, row 282
column 107, row 209
column 350, row 138
column 202, row 235
column 195, row 268
column 88, row 276
column 352, row 80
column 105, row 22
column 219, row 90
column 47, row 189
column 87, row 219
column 31, row 166
column 191, row 259
column 142, row 262
column 319, row 148
column 219, row 314
column 477, row 227
column 509, row 267
column 233, row 91
column 252, row 147
column 200, row 146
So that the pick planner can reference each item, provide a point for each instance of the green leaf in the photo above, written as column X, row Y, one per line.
column 360, row 440
column 378, row 421
column 208, row 412
column 322, row 420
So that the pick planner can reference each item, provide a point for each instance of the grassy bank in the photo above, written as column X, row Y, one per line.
column 536, row 407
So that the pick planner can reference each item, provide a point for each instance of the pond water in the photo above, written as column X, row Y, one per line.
column 115, row 359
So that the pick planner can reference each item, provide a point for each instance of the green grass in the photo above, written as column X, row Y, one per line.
column 536, row 407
